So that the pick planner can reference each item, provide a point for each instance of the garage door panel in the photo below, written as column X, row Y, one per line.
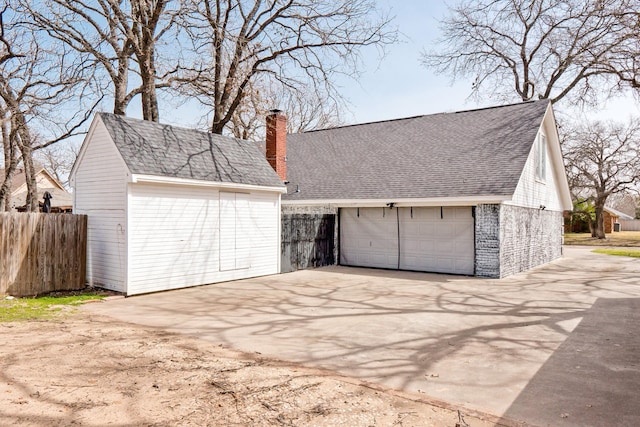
column 431, row 238
column 366, row 238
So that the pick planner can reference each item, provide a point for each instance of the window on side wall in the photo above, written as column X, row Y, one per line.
column 541, row 157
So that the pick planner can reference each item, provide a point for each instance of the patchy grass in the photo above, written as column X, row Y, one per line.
column 635, row 253
column 41, row 308
column 621, row 239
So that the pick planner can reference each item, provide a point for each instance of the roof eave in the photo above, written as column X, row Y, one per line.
column 157, row 179
column 558, row 162
column 433, row 201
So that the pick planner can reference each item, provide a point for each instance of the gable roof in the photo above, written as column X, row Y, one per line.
column 469, row 153
column 20, row 178
column 150, row 148
column 617, row 213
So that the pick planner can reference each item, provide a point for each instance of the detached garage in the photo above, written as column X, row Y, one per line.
column 170, row 207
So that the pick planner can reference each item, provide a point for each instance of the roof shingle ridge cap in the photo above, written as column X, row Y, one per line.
column 531, row 101
column 184, row 128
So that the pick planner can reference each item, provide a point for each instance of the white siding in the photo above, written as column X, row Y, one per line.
column 235, row 231
column 532, row 192
column 175, row 236
column 100, row 192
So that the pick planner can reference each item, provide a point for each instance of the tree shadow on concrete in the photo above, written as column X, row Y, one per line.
column 593, row 378
column 464, row 340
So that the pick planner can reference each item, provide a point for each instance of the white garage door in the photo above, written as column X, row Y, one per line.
column 422, row 239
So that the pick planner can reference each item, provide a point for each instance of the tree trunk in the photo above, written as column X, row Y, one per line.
column 24, row 144
column 10, row 165
column 120, row 88
column 30, row 176
column 149, row 98
column 592, row 227
column 599, row 228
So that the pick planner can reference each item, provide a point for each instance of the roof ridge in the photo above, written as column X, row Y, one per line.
column 143, row 121
column 531, row 101
column 424, row 115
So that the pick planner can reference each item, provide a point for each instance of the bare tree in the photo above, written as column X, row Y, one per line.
column 625, row 202
column 119, row 36
column 58, row 159
column 41, row 98
column 545, row 49
column 305, row 109
column 297, row 43
column 602, row 159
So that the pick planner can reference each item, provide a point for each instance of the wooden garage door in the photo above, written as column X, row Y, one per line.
column 422, row 239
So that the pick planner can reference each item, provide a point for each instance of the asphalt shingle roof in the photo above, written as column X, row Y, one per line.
column 151, row 148
column 478, row 152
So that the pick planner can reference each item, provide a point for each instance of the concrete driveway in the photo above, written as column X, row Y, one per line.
column 559, row 345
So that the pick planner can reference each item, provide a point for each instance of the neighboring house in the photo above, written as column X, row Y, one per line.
column 577, row 224
column 170, row 207
column 477, row 192
column 613, row 217
column 61, row 200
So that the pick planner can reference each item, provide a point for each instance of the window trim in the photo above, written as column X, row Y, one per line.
column 541, row 157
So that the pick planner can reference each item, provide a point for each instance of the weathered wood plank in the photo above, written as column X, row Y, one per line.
column 308, row 241
column 40, row 253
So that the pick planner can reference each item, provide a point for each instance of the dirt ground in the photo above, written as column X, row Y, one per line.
column 90, row 370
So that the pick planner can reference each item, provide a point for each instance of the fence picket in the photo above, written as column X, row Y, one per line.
column 40, row 253
column 630, row 225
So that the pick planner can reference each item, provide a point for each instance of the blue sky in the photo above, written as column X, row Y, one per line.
column 399, row 86
column 389, row 87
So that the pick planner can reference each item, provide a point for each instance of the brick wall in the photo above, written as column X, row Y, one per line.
column 529, row 237
column 276, row 144
column 487, row 240
column 512, row 239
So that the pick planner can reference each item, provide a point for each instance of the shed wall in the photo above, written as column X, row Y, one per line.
column 100, row 182
column 183, row 236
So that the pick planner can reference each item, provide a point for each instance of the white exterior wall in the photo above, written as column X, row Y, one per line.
column 532, row 192
column 553, row 191
column 183, row 236
column 100, row 192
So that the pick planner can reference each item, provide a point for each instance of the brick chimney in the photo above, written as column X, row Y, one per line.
column 277, row 143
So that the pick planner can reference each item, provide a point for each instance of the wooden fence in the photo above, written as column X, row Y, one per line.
column 41, row 253
column 630, row 225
